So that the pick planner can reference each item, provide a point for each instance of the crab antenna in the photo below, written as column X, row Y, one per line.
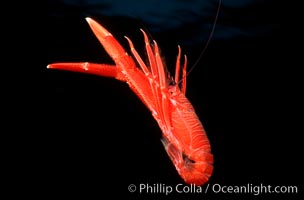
column 207, row 43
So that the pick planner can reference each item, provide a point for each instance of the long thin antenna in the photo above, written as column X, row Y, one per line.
column 208, row 41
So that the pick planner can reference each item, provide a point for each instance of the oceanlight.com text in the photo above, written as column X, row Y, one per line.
column 252, row 189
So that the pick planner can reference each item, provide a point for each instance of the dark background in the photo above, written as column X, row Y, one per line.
column 90, row 136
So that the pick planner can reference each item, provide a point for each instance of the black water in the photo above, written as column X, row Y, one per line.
column 91, row 137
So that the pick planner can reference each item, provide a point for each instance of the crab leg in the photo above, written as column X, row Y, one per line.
column 121, row 58
column 86, row 67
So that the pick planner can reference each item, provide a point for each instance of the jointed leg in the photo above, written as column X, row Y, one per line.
column 85, row 67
